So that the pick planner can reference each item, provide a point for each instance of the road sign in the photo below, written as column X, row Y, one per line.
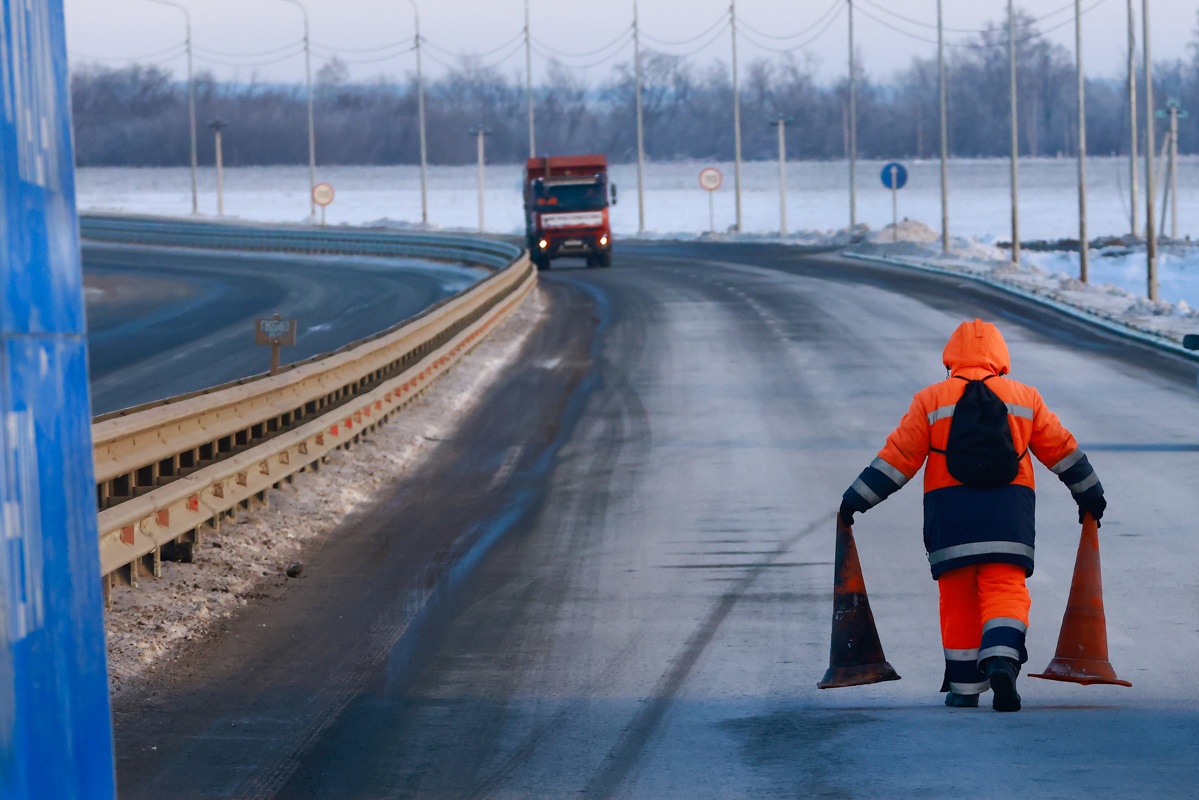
column 322, row 194
column 710, row 178
column 895, row 175
column 277, row 331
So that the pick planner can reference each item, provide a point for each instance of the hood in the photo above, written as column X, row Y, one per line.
column 977, row 345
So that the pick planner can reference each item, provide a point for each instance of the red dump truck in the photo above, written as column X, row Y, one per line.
column 566, row 209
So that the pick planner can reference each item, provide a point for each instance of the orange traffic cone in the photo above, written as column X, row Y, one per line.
column 856, row 656
column 1082, row 645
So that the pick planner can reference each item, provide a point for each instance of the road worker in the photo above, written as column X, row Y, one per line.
column 976, row 428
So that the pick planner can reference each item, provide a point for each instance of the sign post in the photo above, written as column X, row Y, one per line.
column 322, row 195
column 275, row 333
column 895, row 177
column 55, row 726
column 710, row 179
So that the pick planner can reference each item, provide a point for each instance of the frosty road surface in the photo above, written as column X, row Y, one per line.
column 641, row 515
column 162, row 322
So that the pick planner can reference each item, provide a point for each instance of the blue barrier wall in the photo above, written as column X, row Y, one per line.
column 55, row 728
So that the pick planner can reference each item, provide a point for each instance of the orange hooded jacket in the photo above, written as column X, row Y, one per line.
column 965, row 525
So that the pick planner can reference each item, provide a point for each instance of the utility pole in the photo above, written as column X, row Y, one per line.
column 1134, row 123
column 781, row 123
column 216, row 126
column 736, row 118
column 420, row 110
column 311, row 117
column 1150, row 146
column 1011, row 35
column 853, row 131
column 1174, row 113
column 191, row 99
column 529, row 84
column 480, row 133
column 640, row 122
column 1084, row 258
column 944, row 131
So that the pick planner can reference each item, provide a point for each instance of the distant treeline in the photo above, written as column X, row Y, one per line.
column 137, row 116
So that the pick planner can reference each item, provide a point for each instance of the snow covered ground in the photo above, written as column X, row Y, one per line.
column 1115, row 291
column 817, row 203
column 817, row 200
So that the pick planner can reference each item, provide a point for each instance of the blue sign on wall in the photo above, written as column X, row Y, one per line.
column 895, row 175
column 55, row 727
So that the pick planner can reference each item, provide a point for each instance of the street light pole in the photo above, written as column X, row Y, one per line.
column 1150, row 146
column 216, row 126
column 311, row 117
column 781, row 122
column 1011, row 35
column 420, row 106
column 191, row 99
column 944, row 131
column 736, row 118
column 640, row 122
column 1084, row 257
column 1134, row 200
column 480, row 133
column 853, row 131
column 529, row 83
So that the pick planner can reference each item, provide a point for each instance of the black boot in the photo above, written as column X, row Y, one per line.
column 955, row 700
column 1002, row 672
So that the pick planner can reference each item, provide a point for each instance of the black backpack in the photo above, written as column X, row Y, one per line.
column 980, row 452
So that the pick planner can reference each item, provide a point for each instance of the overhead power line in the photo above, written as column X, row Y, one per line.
column 621, row 39
column 840, row 8
column 172, row 52
column 835, row 9
column 721, row 22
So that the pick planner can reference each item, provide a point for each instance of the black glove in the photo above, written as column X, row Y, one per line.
column 846, row 513
column 1095, row 506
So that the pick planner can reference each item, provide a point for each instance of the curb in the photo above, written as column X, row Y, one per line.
column 1107, row 322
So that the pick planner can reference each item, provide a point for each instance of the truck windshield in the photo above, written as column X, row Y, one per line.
column 572, row 197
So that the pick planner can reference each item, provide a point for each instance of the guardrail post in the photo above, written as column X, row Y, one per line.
column 55, row 727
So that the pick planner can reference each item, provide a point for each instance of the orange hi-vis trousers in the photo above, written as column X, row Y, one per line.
column 984, row 614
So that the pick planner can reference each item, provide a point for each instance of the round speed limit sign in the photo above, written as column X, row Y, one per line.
column 710, row 178
column 322, row 194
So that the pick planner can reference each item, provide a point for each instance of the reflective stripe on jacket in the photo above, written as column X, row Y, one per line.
column 964, row 525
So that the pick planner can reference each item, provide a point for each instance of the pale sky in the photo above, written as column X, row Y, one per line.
column 124, row 29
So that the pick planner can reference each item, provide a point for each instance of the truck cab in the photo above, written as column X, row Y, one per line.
column 566, row 209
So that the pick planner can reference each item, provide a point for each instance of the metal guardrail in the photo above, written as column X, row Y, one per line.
column 160, row 232
column 168, row 471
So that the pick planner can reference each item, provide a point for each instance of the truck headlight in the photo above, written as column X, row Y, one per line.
column 543, row 244
column 603, row 241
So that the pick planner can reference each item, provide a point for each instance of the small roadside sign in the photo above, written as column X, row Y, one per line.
column 895, row 177
column 710, row 178
column 275, row 332
column 323, row 194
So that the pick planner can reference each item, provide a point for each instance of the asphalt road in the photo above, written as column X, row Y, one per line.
column 175, row 321
column 642, row 607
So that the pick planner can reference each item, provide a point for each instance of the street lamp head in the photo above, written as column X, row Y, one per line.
column 179, row 6
column 217, row 125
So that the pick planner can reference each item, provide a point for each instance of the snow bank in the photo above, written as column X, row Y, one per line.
column 1116, row 290
column 248, row 559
